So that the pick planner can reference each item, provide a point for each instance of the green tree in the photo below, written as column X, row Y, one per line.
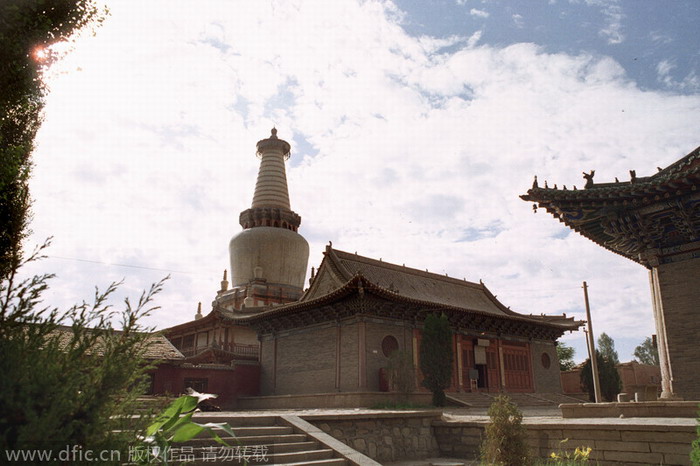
column 647, row 353
column 610, row 383
column 505, row 436
column 27, row 29
column 606, row 345
column 69, row 378
column 436, row 356
column 565, row 353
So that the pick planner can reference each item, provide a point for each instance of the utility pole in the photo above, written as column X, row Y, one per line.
column 591, row 347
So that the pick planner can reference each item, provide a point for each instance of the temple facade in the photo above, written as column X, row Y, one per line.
column 337, row 334
column 358, row 311
column 654, row 221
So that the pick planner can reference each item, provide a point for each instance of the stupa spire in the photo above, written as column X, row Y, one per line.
column 270, row 207
column 271, row 187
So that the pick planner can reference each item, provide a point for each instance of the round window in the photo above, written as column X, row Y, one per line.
column 389, row 345
column 546, row 360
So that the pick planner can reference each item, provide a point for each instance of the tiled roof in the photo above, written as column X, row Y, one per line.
column 158, row 347
column 421, row 285
column 683, row 175
column 400, row 284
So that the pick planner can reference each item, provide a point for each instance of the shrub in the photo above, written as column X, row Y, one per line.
column 505, row 442
column 695, row 451
column 69, row 378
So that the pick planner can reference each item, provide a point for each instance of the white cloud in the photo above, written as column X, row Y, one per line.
column 518, row 20
column 479, row 13
column 612, row 12
column 423, row 145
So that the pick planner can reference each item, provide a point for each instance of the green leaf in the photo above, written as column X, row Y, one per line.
column 187, row 431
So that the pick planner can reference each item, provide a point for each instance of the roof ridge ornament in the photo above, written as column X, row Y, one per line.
column 589, row 179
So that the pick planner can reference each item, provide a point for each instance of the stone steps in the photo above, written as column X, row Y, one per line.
column 264, row 440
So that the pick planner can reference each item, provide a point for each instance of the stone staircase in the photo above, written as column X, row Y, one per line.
column 263, row 440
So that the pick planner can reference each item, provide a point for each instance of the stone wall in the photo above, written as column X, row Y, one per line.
column 681, row 306
column 384, row 436
column 267, row 352
column 631, row 445
column 376, row 332
column 349, row 350
column 306, row 361
column 547, row 379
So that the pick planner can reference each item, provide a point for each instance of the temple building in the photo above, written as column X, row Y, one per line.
column 654, row 221
column 337, row 335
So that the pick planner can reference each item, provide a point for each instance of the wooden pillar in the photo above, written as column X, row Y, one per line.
column 362, row 356
column 460, row 364
column 415, row 358
column 274, row 364
column 662, row 345
column 338, row 346
column 501, row 369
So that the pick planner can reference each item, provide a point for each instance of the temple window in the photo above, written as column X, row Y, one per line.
column 389, row 345
column 546, row 361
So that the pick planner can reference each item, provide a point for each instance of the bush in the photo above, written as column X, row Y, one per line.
column 695, row 451
column 505, row 442
column 69, row 378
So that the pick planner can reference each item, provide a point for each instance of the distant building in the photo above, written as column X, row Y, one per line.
column 638, row 381
column 337, row 335
column 654, row 221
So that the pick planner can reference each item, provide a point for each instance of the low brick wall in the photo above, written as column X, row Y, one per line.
column 631, row 409
column 628, row 444
column 383, row 436
column 330, row 400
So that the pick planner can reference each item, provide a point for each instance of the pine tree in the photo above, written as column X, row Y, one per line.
column 436, row 356
column 610, row 383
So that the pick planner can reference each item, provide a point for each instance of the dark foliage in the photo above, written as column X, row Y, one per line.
column 69, row 378
column 27, row 29
column 610, row 383
column 436, row 356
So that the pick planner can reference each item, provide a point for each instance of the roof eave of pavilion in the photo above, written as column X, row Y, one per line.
column 682, row 175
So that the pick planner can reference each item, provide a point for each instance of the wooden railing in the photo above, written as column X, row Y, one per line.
column 240, row 351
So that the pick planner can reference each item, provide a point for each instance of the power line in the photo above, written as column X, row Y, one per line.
column 121, row 265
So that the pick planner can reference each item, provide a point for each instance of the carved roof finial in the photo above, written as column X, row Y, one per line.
column 534, row 183
column 589, row 178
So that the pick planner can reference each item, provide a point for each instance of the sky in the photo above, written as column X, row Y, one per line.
column 414, row 126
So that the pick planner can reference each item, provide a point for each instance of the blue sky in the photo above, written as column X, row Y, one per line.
column 414, row 128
